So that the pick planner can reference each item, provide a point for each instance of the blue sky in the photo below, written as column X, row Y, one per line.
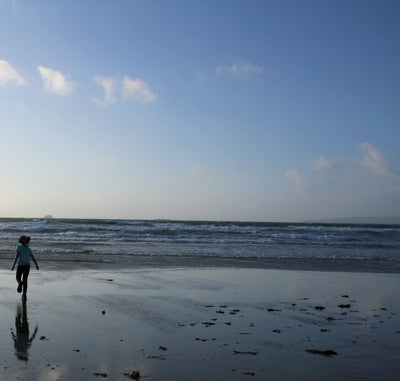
column 223, row 110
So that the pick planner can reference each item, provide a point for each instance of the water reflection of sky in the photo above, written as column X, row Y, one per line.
column 146, row 309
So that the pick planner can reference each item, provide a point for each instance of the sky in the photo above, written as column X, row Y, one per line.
column 203, row 110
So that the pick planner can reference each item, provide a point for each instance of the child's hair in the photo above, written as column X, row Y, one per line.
column 24, row 240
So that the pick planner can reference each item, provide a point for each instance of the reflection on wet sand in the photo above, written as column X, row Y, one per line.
column 22, row 341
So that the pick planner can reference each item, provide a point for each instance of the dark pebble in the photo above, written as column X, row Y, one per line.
column 249, row 373
column 327, row 353
column 135, row 375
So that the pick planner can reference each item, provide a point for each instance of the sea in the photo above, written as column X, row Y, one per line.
column 194, row 244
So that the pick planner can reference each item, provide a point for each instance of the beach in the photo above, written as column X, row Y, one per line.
column 85, row 322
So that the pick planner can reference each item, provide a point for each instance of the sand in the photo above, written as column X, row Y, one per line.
column 200, row 324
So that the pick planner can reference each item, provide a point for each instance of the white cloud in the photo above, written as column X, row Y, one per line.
column 200, row 171
column 108, row 85
column 300, row 182
column 137, row 89
column 242, row 70
column 321, row 163
column 374, row 161
column 9, row 74
column 200, row 77
column 55, row 81
column 294, row 175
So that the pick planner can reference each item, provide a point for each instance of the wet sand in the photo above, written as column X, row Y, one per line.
column 197, row 324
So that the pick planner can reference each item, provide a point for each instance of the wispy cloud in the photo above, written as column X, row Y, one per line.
column 321, row 163
column 374, row 161
column 108, row 85
column 346, row 175
column 8, row 74
column 200, row 171
column 241, row 70
column 300, row 182
column 55, row 81
column 137, row 89
column 201, row 77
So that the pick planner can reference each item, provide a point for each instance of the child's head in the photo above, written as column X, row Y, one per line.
column 24, row 240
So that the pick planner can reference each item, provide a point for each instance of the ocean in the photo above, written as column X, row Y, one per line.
column 164, row 243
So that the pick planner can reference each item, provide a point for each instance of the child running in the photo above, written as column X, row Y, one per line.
column 23, row 256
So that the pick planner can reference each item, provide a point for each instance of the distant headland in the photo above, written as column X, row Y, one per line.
column 359, row 220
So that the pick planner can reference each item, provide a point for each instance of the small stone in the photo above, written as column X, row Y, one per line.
column 253, row 353
column 161, row 348
column 135, row 375
column 327, row 353
column 319, row 308
column 208, row 324
column 344, row 305
column 76, row 350
column 101, row 374
column 103, row 312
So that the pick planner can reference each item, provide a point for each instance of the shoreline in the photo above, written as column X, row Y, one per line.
column 204, row 323
column 170, row 262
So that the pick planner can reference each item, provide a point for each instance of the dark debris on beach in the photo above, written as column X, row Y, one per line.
column 327, row 320
column 324, row 317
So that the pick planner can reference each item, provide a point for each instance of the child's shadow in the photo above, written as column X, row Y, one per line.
column 22, row 341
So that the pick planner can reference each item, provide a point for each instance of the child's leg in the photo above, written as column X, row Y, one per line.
column 25, row 278
column 19, row 274
column 18, row 277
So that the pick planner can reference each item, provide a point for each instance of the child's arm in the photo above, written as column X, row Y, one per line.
column 34, row 261
column 15, row 260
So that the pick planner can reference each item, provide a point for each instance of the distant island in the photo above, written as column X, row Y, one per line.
column 48, row 216
column 359, row 220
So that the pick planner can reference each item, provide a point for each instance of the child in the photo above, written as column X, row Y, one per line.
column 23, row 256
